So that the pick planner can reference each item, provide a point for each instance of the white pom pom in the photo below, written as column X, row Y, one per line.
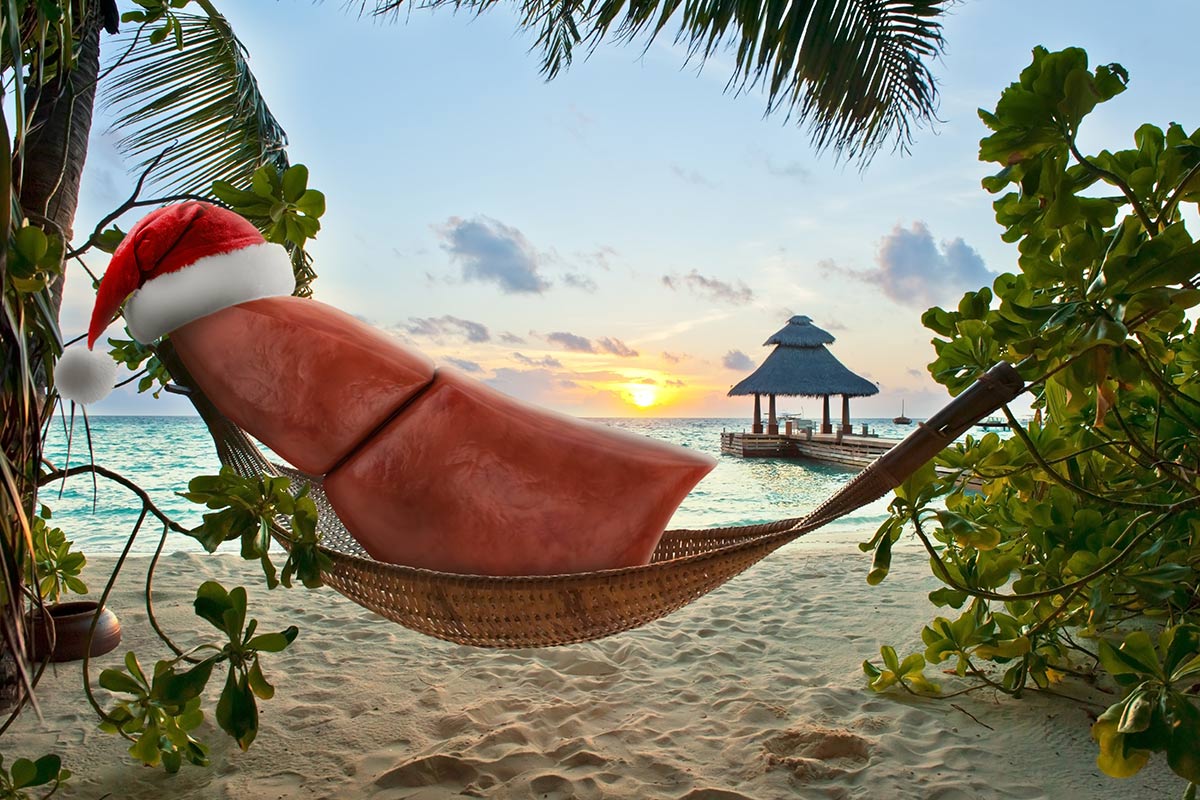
column 85, row 376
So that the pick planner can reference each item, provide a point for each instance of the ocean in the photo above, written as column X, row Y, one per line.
column 162, row 454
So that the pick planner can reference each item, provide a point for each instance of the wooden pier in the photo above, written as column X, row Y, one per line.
column 843, row 449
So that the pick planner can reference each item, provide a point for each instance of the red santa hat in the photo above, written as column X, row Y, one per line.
column 176, row 265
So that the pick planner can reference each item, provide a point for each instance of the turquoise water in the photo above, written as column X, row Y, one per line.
column 162, row 453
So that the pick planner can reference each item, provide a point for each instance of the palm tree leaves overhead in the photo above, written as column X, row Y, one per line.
column 201, row 98
column 854, row 71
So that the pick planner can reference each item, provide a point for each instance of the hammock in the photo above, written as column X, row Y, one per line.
column 547, row 610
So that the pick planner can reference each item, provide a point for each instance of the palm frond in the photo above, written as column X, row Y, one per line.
column 854, row 71
column 203, row 99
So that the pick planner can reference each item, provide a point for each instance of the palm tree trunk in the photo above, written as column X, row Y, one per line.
column 57, row 143
column 46, row 174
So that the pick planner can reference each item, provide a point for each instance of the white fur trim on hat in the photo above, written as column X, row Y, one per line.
column 208, row 285
column 83, row 375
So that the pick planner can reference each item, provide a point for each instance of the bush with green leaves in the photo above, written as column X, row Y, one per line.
column 246, row 509
column 158, row 713
column 1084, row 543
column 25, row 774
column 55, row 566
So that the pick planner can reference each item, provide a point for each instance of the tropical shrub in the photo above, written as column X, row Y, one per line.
column 1082, row 549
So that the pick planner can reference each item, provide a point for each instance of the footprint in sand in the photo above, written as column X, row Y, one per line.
column 818, row 753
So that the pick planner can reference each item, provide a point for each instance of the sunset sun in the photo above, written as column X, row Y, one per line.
column 643, row 396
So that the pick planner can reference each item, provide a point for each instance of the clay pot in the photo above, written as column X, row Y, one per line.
column 71, row 624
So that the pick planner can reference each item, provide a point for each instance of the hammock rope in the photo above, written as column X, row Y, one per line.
column 548, row 610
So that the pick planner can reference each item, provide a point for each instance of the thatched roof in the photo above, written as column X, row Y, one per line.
column 800, row 366
column 800, row 332
column 804, row 372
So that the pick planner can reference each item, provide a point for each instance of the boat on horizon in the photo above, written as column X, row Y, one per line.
column 992, row 422
column 901, row 420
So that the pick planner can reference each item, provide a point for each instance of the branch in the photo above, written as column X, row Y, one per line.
column 57, row 474
column 134, row 202
column 1175, row 197
column 1112, row 178
column 936, row 558
column 1070, row 486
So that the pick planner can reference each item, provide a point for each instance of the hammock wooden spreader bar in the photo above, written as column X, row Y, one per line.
column 546, row 610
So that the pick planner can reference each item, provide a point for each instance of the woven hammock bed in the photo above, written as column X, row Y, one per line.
column 547, row 610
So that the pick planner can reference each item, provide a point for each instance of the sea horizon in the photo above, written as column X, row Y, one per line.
column 161, row 453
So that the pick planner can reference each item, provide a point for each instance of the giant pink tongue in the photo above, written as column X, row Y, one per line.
column 464, row 479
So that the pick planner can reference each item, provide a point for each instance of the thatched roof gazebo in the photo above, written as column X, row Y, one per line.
column 800, row 366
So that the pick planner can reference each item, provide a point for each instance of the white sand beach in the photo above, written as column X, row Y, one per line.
column 755, row 691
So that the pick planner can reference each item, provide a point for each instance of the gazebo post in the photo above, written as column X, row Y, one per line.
column 772, row 423
column 826, row 427
column 846, row 414
column 757, row 427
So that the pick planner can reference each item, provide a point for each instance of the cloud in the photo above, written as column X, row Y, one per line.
column 917, row 272
column 736, row 359
column 602, row 257
column 691, row 176
column 549, row 362
column 648, row 381
column 569, row 341
column 463, row 364
column 439, row 327
column 578, row 123
column 578, row 280
column 491, row 252
column 916, row 373
column 676, row 383
column 582, row 344
column 511, row 338
column 616, row 347
column 712, row 288
column 792, row 169
column 533, row 385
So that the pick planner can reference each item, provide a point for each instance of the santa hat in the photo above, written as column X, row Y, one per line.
column 176, row 265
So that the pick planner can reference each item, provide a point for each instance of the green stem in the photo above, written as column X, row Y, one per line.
column 1177, row 195
column 1044, row 593
column 1112, row 178
column 1067, row 484
column 87, row 656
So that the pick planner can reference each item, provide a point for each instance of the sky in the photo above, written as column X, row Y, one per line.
column 620, row 241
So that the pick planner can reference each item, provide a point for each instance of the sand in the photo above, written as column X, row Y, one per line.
column 755, row 691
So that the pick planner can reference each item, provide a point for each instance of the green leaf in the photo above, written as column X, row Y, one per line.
column 47, row 769
column 882, row 561
column 1139, row 708
column 295, row 183
column 274, row 642
column 1114, row 760
column 917, row 483
column 212, row 601
column 1181, row 643
column 117, row 681
column 135, row 669
column 946, row 596
column 1183, row 753
column 23, row 773
column 179, row 688
column 258, row 682
column 204, row 97
column 30, row 243
column 311, row 203
column 237, row 711
column 145, row 748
